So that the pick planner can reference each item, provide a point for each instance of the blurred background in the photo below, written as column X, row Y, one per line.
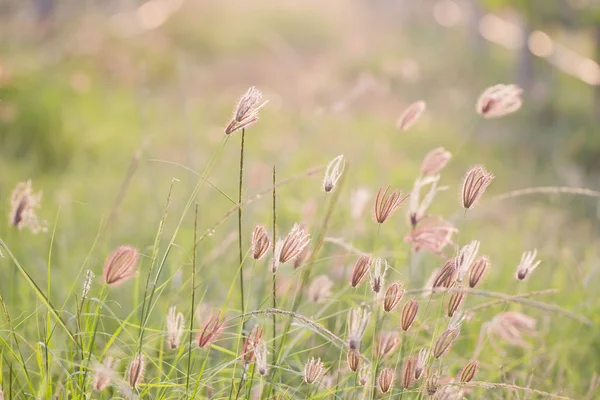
column 103, row 103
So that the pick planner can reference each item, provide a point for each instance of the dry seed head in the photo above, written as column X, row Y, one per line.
column 410, row 115
column 499, row 100
column 445, row 341
column 385, row 345
column 456, row 299
column 175, row 326
column 135, row 372
column 417, row 207
column 313, row 370
column 447, row 391
column 358, row 319
column 433, row 234
column 260, row 242
column 333, row 173
column 386, row 205
column 103, row 375
column 475, row 183
column 422, row 359
column 246, row 112
column 385, row 380
column 261, row 353
column 510, row 326
column 393, row 295
column 378, row 275
column 468, row 372
column 23, row 205
column 466, row 257
column 478, row 269
column 291, row 247
column 353, row 360
column 364, row 374
column 87, row 284
column 527, row 264
column 209, row 331
column 409, row 313
column 302, row 257
column 251, row 343
column 432, row 384
column 408, row 372
column 360, row 270
column 320, row 289
column 446, row 275
column 120, row 265
column 435, row 161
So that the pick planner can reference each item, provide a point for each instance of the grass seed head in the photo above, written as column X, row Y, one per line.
column 527, row 265
column 445, row 341
column 313, row 370
column 385, row 345
column 385, row 380
column 432, row 234
column 358, row 319
column 421, row 362
column 378, row 275
column 468, row 372
column 353, row 360
column 474, row 185
column 408, row 372
column 121, row 265
column 175, row 326
column 333, row 173
column 465, row 259
column 209, row 331
column 446, row 275
column 291, row 247
column 360, row 270
column 320, row 289
column 456, row 299
column 23, row 205
column 260, row 242
column 435, row 161
column 103, row 374
column 386, row 205
column 251, row 343
column 410, row 115
column 246, row 112
column 135, row 372
column 499, row 100
column 261, row 353
column 409, row 313
column 478, row 270
column 393, row 295
column 364, row 374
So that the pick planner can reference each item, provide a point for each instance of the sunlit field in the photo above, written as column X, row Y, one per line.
column 297, row 200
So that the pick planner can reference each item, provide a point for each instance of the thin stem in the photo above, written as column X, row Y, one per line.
column 274, row 293
column 240, row 228
column 189, row 366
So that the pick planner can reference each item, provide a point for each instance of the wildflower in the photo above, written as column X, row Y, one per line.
column 435, row 161
column 385, row 345
column 510, row 326
column 359, row 199
column 499, row 100
column 103, row 374
column 364, row 374
column 476, row 182
column 410, row 115
column 320, row 289
column 378, row 276
column 246, row 112
column 433, row 234
column 175, row 322
column 362, row 266
column 527, row 264
column 478, row 269
column 260, row 242
column 353, row 360
column 261, row 353
column 385, row 380
column 422, row 359
column 468, row 372
column 291, row 247
column 456, row 299
column 251, row 343
column 135, row 373
column 358, row 318
column 333, row 173
column 446, row 274
column 120, row 265
column 386, row 205
column 24, row 203
column 209, row 331
column 393, row 295
column 408, row 372
column 466, row 257
column 409, row 313
column 313, row 370
column 87, row 284
column 445, row 341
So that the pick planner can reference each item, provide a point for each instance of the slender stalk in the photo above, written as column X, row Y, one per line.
column 274, row 293
column 240, row 229
column 189, row 366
